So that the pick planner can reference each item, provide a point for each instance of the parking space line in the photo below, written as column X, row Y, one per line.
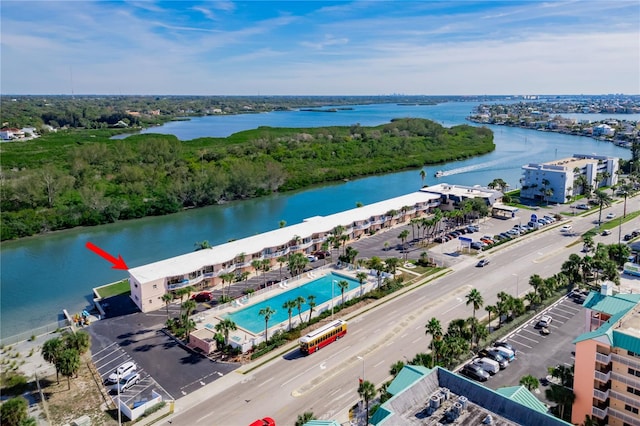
column 555, row 314
column 96, row 361
column 520, row 343
column 525, row 337
column 104, row 349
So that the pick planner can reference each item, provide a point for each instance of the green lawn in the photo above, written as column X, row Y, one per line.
column 121, row 287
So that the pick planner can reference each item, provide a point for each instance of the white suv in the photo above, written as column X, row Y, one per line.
column 122, row 371
column 545, row 321
column 126, row 382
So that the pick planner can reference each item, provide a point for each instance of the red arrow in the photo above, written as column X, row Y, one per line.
column 117, row 263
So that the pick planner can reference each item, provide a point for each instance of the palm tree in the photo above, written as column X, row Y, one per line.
column 376, row 263
column 281, row 261
column 533, row 299
column 367, row 391
column 304, row 418
column 491, row 309
column 530, row 382
column 227, row 278
column 602, row 199
column 256, row 265
column 392, row 264
column 361, row 277
column 396, row 367
column 434, row 328
column 265, row 266
column 266, row 312
column 474, row 298
column 189, row 325
column 311, row 301
column 562, row 396
column 189, row 306
column 299, row 302
column 167, row 298
column 343, row 285
column 51, row 350
column 423, row 174
column 201, row 245
column 225, row 327
column 289, row 305
column 78, row 340
column 68, row 363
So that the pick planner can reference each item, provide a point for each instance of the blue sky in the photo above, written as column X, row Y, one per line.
column 320, row 47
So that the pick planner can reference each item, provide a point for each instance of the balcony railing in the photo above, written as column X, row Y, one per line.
column 602, row 396
column 603, row 377
column 631, row 362
column 603, row 359
column 626, row 418
column 601, row 414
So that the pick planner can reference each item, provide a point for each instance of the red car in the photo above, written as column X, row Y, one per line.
column 267, row 421
column 204, row 296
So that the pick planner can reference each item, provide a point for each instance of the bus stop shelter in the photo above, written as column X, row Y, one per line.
column 502, row 211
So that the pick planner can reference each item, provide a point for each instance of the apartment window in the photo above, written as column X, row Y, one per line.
column 628, row 407
column 155, row 286
column 631, row 353
column 135, row 285
column 634, row 372
column 633, row 390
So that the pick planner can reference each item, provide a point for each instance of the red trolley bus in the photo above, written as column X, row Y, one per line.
column 323, row 336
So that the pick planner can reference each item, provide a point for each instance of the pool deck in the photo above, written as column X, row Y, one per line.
column 245, row 338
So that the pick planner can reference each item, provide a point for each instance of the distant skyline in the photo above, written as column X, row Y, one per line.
column 371, row 47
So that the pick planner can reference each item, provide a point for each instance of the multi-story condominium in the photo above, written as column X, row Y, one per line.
column 205, row 268
column 607, row 362
column 556, row 181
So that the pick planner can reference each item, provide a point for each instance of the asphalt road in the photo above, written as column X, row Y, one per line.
column 325, row 383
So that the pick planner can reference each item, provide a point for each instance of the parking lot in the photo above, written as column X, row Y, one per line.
column 165, row 366
column 536, row 351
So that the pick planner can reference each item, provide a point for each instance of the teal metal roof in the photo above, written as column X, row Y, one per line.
column 611, row 304
column 381, row 414
column 407, row 377
column 626, row 341
column 523, row 396
column 322, row 423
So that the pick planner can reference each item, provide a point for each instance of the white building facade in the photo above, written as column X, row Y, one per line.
column 557, row 181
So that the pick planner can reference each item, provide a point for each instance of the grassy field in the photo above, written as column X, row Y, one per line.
column 121, row 287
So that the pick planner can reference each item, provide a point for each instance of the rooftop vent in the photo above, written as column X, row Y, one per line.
column 463, row 401
column 435, row 401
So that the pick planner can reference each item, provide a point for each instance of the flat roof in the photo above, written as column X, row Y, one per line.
column 190, row 262
column 461, row 190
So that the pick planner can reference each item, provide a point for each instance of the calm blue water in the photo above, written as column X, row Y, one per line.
column 249, row 319
column 42, row 275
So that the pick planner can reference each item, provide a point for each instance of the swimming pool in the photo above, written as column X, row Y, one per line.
column 249, row 319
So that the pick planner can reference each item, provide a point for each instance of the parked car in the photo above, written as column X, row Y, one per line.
column 126, row 382
column 488, row 365
column 551, row 219
column 267, row 421
column 482, row 263
column 582, row 207
column 203, row 296
column 505, row 236
column 544, row 321
column 628, row 237
column 471, row 229
column 506, row 353
column 475, row 372
column 311, row 258
column 534, row 225
column 122, row 371
column 502, row 343
column 321, row 254
column 493, row 354
column 476, row 245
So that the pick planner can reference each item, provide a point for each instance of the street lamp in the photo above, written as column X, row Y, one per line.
column 517, row 284
column 118, row 405
column 362, row 359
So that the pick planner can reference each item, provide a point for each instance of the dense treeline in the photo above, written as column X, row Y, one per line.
column 73, row 178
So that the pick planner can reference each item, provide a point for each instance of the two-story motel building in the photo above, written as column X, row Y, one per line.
column 202, row 269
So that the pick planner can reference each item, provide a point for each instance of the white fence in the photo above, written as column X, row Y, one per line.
column 134, row 413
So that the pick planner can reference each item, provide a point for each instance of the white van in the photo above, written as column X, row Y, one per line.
column 488, row 365
column 565, row 228
column 506, row 353
column 122, row 371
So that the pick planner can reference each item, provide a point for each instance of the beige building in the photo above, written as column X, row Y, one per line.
column 607, row 361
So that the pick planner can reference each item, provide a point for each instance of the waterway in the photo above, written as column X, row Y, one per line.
column 42, row 275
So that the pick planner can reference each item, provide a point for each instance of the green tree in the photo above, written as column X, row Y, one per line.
column 289, row 305
column 530, row 382
column 396, row 367
column 225, row 327
column 343, row 285
column 78, row 340
column 474, row 298
column 51, row 351
column 602, row 199
column 562, row 396
column 311, row 301
column 266, row 313
column 304, row 418
column 69, row 364
column 14, row 411
column 367, row 391
column 167, row 298
column 299, row 302
column 202, row 245
column 434, row 328
column 361, row 277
